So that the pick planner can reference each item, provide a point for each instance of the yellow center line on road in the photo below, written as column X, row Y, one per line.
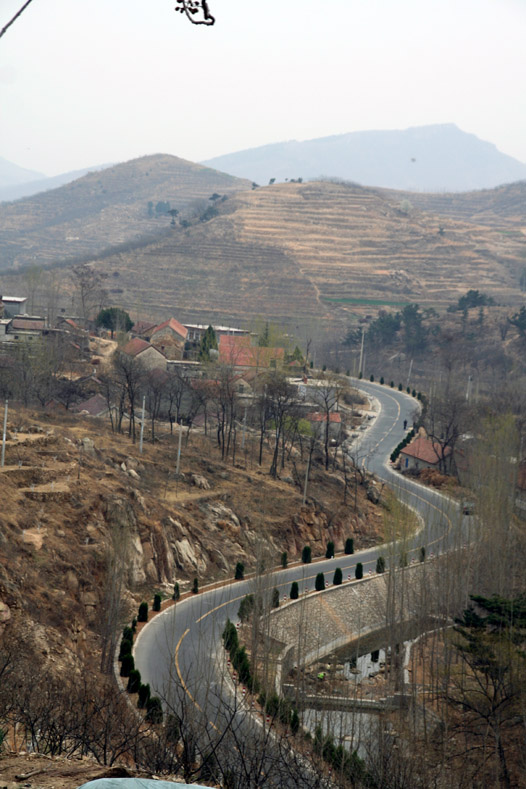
column 303, row 580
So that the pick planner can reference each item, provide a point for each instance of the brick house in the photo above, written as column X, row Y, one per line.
column 241, row 354
column 318, row 423
column 145, row 352
column 423, row 452
column 169, row 338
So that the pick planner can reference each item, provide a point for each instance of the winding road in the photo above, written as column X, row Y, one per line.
column 177, row 653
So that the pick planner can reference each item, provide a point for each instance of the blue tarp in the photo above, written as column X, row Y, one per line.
column 136, row 783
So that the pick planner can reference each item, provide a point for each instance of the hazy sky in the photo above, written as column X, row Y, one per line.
column 84, row 82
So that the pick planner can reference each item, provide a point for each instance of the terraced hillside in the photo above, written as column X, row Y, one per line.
column 318, row 250
column 103, row 209
column 503, row 207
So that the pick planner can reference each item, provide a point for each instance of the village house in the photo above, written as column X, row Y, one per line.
column 241, row 354
column 12, row 305
column 424, row 452
column 196, row 331
column 169, row 338
column 95, row 406
column 318, row 423
column 145, row 352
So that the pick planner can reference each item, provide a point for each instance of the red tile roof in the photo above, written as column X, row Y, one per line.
column 29, row 325
column 316, row 416
column 135, row 347
column 423, row 448
column 93, row 406
column 73, row 325
column 174, row 325
column 238, row 352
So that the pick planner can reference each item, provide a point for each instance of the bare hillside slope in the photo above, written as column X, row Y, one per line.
column 104, row 209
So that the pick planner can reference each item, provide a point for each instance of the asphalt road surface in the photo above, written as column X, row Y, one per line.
column 179, row 652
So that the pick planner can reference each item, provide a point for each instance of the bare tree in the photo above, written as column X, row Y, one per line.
column 89, row 291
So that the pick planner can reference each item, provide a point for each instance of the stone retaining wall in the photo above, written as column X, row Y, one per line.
column 319, row 623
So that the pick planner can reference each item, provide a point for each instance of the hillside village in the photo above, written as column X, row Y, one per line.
column 146, row 458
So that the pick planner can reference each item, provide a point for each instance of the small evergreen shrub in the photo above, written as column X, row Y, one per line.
column 338, row 577
column 154, row 710
column 272, row 705
column 382, row 380
column 392, row 384
column 157, row 602
column 246, row 607
column 422, row 553
column 125, row 648
column 143, row 612
column 349, row 546
column 134, row 681
column 371, row 378
column 127, row 634
column 320, row 582
column 403, row 559
column 284, row 559
column 408, row 389
column 360, row 375
column 306, row 554
column 275, row 598
column 177, row 592
column 329, row 553
column 400, row 387
column 134, row 624
column 380, row 565
column 240, row 571
column 230, row 637
column 195, row 586
column 294, row 722
column 294, row 591
column 127, row 665
column 144, row 695
column 358, row 573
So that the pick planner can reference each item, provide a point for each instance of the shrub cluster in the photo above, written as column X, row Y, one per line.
column 345, row 764
column 396, row 451
column 239, row 657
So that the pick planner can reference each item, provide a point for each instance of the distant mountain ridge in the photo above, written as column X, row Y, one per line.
column 435, row 158
column 34, row 186
column 12, row 174
column 107, row 208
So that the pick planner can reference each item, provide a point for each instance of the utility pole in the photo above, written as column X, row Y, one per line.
column 409, row 373
column 5, row 433
column 306, row 479
column 244, row 429
column 142, row 424
column 468, row 389
column 179, row 450
column 361, row 353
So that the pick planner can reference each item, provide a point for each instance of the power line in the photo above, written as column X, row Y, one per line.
column 18, row 13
